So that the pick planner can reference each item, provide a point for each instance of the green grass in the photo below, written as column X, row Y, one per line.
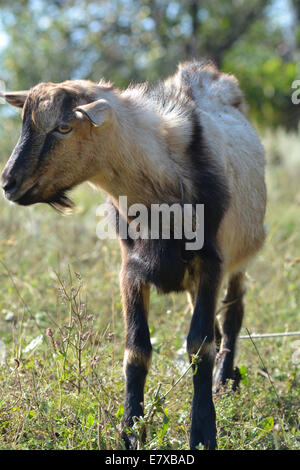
column 59, row 286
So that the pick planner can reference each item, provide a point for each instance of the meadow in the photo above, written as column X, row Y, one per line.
column 62, row 330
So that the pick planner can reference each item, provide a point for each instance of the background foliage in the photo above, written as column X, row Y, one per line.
column 136, row 40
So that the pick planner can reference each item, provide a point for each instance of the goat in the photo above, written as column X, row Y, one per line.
column 186, row 140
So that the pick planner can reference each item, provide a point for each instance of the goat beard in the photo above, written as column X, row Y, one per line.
column 62, row 203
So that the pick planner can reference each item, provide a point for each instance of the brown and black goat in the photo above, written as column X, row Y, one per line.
column 185, row 141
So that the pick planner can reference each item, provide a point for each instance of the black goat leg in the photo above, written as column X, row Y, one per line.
column 201, row 340
column 233, row 318
column 138, row 351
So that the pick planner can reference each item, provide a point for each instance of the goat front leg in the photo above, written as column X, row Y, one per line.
column 138, row 351
column 201, row 340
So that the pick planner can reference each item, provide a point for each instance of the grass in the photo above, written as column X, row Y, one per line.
column 62, row 332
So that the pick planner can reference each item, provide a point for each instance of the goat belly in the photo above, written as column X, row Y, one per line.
column 158, row 262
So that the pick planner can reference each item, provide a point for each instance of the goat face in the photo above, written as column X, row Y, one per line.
column 55, row 151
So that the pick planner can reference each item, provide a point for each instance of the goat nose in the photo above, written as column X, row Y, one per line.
column 9, row 185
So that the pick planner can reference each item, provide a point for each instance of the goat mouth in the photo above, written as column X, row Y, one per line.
column 60, row 201
column 27, row 198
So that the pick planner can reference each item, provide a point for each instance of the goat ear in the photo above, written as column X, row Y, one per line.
column 15, row 98
column 97, row 112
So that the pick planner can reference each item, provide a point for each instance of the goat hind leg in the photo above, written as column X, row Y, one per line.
column 232, row 323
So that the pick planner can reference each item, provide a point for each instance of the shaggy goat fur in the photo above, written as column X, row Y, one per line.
column 186, row 140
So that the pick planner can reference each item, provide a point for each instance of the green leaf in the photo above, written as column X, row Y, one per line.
column 120, row 411
column 89, row 422
column 268, row 424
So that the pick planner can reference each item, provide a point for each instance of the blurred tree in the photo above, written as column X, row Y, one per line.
column 138, row 40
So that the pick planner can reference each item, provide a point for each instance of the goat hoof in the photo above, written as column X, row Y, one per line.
column 222, row 378
column 209, row 443
column 129, row 440
column 203, row 431
column 236, row 377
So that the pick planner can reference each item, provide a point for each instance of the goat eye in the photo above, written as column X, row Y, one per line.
column 63, row 129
